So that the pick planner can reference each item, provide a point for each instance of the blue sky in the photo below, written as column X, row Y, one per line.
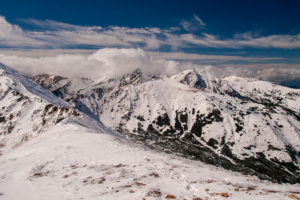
column 251, row 36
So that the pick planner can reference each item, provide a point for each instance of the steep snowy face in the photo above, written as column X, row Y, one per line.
column 192, row 115
column 26, row 86
column 200, row 79
column 26, row 109
column 268, row 93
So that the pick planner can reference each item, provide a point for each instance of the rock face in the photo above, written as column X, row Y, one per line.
column 249, row 127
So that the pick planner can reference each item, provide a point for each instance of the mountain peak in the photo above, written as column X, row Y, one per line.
column 201, row 79
column 196, row 78
column 137, row 71
column 135, row 78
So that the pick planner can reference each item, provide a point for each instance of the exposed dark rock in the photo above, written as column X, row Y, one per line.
column 202, row 120
column 213, row 143
column 2, row 119
column 141, row 118
column 163, row 120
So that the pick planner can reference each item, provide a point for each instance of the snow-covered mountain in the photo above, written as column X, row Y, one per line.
column 202, row 80
column 27, row 110
column 50, row 150
column 250, row 127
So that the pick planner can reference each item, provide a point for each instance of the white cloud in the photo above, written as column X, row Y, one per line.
column 272, row 41
column 54, row 25
column 208, row 40
column 267, row 72
column 186, row 25
column 192, row 24
column 62, row 35
column 177, row 56
column 43, row 52
column 13, row 35
column 201, row 23
column 245, row 40
column 108, row 62
column 113, row 62
column 180, row 56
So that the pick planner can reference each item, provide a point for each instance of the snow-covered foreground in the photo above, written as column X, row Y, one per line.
column 70, row 161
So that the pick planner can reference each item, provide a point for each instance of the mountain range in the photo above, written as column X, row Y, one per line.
column 240, row 124
column 189, row 136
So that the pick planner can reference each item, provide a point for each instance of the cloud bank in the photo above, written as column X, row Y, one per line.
column 112, row 62
column 62, row 35
column 109, row 62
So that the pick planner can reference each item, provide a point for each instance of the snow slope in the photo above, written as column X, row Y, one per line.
column 267, row 92
column 22, row 84
column 74, row 162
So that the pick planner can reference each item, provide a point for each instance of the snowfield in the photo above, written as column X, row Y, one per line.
column 73, row 162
